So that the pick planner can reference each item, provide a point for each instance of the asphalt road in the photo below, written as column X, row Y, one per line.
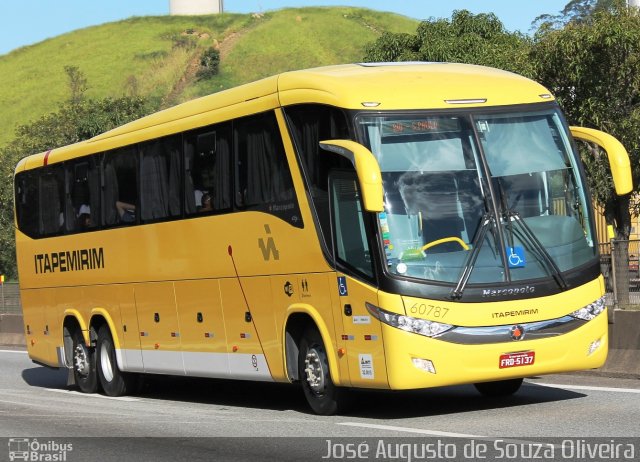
column 196, row 419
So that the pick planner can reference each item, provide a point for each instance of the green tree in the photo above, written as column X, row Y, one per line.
column 467, row 38
column 74, row 121
column 576, row 11
column 593, row 68
column 77, row 83
column 209, row 63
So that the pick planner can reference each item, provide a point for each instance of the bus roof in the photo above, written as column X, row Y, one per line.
column 408, row 86
column 377, row 86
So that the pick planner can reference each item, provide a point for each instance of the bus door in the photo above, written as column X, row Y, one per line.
column 202, row 328
column 244, row 351
column 130, row 340
column 159, row 328
column 362, row 333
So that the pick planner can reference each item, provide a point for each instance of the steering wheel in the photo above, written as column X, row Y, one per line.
column 444, row 240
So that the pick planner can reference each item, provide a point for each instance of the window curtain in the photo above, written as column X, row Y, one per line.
column 111, row 194
column 50, row 205
column 174, row 181
column 189, row 188
column 222, row 186
column 154, row 201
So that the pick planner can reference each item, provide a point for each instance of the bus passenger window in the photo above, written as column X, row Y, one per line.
column 120, row 190
column 208, row 170
column 310, row 124
column 263, row 178
column 27, row 202
column 51, row 200
column 159, row 180
column 83, row 196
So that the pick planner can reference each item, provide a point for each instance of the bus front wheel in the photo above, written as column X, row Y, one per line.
column 114, row 382
column 321, row 393
column 499, row 388
column 84, row 364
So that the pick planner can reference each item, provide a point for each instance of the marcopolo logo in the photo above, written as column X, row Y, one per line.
column 491, row 293
column 38, row 451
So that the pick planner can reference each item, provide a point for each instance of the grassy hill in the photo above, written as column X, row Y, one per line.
column 158, row 56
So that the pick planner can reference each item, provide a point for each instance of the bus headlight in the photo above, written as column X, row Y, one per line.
column 407, row 323
column 587, row 313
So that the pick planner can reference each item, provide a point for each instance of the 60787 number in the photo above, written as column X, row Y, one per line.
column 424, row 309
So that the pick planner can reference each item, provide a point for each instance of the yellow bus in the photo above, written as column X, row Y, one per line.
column 380, row 226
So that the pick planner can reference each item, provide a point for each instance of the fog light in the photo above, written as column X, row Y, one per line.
column 424, row 364
column 594, row 346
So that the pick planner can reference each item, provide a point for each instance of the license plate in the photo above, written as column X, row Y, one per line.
column 523, row 358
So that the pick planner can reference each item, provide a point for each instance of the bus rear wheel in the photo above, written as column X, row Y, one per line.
column 84, row 364
column 114, row 382
column 499, row 388
column 319, row 390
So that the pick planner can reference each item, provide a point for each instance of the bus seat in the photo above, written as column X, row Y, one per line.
column 523, row 192
column 433, row 196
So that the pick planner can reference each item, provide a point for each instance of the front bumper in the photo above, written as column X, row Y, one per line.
column 469, row 363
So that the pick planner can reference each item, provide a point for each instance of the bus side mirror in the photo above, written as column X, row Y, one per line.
column 617, row 154
column 367, row 169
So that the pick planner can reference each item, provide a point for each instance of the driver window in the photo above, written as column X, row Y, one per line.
column 351, row 245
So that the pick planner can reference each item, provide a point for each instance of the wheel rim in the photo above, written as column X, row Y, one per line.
column 314, row 371
column 105, row 363
column 81, row 360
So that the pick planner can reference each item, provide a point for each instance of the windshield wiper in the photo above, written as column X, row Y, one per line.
column 525, row 234
column 470, row 262
column 546, row 259
column 511, row 216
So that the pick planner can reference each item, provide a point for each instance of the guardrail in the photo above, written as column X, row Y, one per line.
column 10, row 298
column 619, row 265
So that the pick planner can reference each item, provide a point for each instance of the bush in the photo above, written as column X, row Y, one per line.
column 209, row 63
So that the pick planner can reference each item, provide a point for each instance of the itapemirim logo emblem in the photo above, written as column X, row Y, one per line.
column 33, row 450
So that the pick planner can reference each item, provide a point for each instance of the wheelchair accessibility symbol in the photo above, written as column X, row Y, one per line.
column 516, row 257
column 342, row 286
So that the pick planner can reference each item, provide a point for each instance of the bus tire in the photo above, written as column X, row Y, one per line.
column 322, row 395
column 499, row 388
column 114, row 382
column 84, row 364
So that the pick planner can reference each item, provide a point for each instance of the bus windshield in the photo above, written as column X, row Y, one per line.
column 497, row 195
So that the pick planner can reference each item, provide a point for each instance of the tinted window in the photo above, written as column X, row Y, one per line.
column 311, row 124
column 120, row 190
column 160, row 178
column 263, row 179
column 208, row 170
column 351, row 243
column 27, row 202
column 82, row 195
column 52, row 195
column 190, row 173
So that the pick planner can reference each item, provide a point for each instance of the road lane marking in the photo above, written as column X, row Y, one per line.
column 587, row 388
column 20, row 403
column 93, row 395
column 411, row 430
column 13, row 351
